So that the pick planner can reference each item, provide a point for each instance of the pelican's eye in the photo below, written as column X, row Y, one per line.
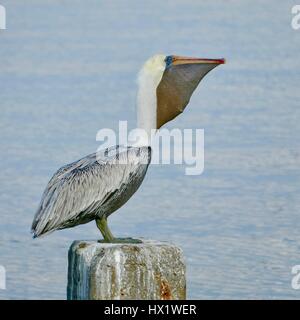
column 168, row 61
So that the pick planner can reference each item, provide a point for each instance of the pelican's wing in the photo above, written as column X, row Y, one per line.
column 77, row 190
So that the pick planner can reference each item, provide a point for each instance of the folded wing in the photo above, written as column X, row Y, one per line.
column 80, row 191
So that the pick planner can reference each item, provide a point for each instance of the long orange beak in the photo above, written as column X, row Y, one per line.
column 187, row 60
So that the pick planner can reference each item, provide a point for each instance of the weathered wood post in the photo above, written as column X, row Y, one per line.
column 102, row 271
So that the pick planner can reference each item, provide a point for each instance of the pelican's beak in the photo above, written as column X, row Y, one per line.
column 177, row 60
column 181, row 77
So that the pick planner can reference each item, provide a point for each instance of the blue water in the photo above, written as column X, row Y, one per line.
column 68, row 69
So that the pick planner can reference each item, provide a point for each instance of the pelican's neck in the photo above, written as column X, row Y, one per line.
column 146, row 109
column 148, row 81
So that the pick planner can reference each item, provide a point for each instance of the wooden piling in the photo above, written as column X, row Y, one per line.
column 104, row 271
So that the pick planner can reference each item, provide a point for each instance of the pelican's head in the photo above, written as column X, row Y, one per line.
column 166, row 84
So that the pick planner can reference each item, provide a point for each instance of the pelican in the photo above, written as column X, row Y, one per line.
column 95, row 186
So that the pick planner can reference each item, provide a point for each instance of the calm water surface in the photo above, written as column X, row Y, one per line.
column 68, row 69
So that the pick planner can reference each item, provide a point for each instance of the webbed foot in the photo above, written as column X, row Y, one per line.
column 122, row 240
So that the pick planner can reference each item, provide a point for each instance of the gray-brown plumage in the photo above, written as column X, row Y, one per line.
column 91, row 188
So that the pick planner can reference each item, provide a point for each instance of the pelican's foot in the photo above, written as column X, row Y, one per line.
column 122, row 240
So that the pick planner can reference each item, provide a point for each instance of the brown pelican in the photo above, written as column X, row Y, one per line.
column 95, row 186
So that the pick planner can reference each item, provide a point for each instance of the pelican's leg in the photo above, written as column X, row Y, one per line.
column 103, row 227
column 107, row 235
